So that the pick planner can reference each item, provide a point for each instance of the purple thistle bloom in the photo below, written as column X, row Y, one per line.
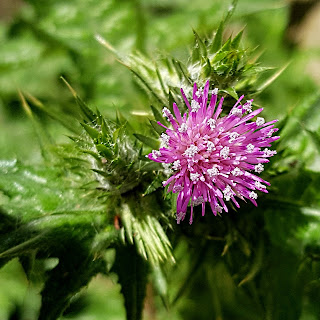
column 214, row 159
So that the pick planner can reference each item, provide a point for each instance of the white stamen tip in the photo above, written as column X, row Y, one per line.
column 180, row 216
column 199, row 92
column 269, row 153
column 198, row 201
column 191, row 151
column 212, row 123
column 228, row 193
column 195, row 106
column 259, row 185
column 270, row 133
column 248, row 106
column 253, row 195
column 250, row 148
column 164, row 138
column 176, row 165
column 214, row 171
column 167, row 168
column 194, row 176
column 155, row 154
column 166, row 112
column 210, row 146
column 215, row 91
column 177, row 188
column 233, row 136
column 259, row 168
column 237, row 172
column 260, row 121
column 183, row 128
column 236, row 112
column 224, row 153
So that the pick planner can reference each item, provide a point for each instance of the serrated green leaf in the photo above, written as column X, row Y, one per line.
column 34, row 191
column 132, row 273
column 74, row 271
column 52, row 224
column 14, row 245
column 300, row 194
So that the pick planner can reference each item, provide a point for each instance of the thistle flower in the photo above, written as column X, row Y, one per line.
column 214, row 159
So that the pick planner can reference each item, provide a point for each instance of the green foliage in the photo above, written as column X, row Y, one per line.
column 123, row 177
column 228, row 67
column 68, row 214
column 300, row 132
column 55, row 298
column 95, row 204
column 255, row 256
column 47, row 216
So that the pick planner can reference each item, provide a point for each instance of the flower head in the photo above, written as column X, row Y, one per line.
column 215, row 159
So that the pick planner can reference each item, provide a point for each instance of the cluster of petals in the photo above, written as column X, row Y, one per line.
column 213, row 159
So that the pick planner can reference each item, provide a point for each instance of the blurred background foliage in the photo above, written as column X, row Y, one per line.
column 257, row 264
